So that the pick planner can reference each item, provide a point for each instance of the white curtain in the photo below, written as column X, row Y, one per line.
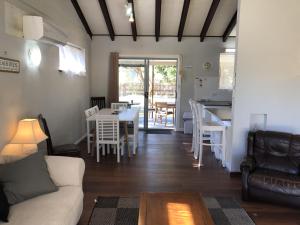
column 72, row 60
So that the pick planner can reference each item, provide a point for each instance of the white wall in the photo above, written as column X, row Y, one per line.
column 267, row 69
column 194, row 54
column 59, row 97
column 204, row 87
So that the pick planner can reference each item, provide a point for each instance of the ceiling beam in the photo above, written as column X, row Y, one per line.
column 133, row 24
column 107, row 19
column 184, row 13
column 157, row 19
column 230, row 27
column 209, row 18
column 82, row 18
column 162, row 35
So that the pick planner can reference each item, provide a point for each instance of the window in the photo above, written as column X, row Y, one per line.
column 72, row 59
column 226, row 70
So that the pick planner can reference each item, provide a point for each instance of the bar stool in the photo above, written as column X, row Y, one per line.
column 209, row 127
column 191, row 102
column 197, row 127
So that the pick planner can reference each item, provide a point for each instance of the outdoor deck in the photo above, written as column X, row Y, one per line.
column 158, row 124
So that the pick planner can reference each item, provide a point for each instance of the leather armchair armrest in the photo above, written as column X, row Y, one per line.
column 248, row 164
column 246, row 167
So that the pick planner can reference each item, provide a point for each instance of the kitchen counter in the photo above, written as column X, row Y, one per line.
column 224, row 114
column 220, row 114
column 220, row 109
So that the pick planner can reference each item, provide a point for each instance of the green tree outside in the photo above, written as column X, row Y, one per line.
column 168, row 73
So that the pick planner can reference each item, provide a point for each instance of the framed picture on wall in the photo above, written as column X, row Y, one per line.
column 9, row 65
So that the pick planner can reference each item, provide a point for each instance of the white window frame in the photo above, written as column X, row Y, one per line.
column 72, row 60
column 222, row 73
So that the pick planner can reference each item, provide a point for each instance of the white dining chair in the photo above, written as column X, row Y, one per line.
column 132, row 135
column 91, row 133
column 91, row 111
column 108, row 132
column 119, row 105
column 205, row 126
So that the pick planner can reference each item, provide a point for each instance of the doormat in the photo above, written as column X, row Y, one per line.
column 158, row 131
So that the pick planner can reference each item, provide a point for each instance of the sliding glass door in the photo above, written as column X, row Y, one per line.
column 132, row 85
column 162, row 93
column 150, row 85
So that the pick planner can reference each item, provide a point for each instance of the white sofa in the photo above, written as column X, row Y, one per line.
column 63, row 207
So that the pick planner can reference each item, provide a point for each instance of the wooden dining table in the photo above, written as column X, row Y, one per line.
column 125, row 116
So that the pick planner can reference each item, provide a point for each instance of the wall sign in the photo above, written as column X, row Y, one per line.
column 9, row 65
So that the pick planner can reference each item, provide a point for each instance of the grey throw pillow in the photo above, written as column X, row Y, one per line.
column 26, row 178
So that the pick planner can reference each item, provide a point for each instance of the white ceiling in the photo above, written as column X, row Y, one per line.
column 170, row 17
column 196, row 16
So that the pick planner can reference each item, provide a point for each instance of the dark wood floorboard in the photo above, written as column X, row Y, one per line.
column 164, row 164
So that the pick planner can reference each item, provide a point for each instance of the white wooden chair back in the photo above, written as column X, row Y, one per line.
column 194, row 110
column 199, row 114
column 96, row 109
column 107, row 129
column 119, row 105
column 192, row 102
column 195, row 132
column 91, row 111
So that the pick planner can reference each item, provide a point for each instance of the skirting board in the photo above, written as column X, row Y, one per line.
column 80, row 139
column 179, row 129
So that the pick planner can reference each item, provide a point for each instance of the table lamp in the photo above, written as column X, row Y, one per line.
column 28, row 135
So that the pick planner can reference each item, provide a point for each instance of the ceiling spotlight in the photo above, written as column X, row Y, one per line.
column 128, row 8
column 131, row 19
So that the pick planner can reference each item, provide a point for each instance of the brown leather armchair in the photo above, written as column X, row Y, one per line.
column 271, row 170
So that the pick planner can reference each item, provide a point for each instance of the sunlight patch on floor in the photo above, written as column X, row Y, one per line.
column 180, row 213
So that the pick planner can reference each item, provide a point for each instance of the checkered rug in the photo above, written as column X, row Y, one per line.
column 125, row 211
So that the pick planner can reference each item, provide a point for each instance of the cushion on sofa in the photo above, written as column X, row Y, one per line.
column 4, row 207
column 277, row 143
column 281, row 164
column 276, row 151
column 275, row 181
column 26, row 178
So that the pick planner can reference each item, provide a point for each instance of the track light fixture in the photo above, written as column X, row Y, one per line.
column 129, row 12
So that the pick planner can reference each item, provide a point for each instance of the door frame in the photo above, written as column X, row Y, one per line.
column 178, row 78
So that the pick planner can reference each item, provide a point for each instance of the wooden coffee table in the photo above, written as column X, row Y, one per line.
column 173, row 209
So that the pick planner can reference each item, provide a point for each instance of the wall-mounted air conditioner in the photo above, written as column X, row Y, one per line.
column 35, row 28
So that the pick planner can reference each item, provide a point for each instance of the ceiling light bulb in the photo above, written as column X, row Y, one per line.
column 131, row 18
column 128, row 9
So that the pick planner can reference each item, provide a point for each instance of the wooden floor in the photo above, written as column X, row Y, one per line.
column 164, row 164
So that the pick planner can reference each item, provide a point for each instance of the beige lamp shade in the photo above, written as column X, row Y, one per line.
column 19, row 149
column 29, row 132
